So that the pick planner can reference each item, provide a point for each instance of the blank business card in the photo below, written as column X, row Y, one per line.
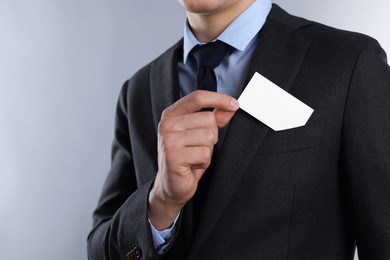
column 272, row 105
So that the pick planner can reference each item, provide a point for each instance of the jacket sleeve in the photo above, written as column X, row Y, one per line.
column 366, row 152
column 120, row 222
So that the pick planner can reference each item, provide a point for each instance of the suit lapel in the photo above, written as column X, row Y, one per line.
column 164, row 81
column 278, row 57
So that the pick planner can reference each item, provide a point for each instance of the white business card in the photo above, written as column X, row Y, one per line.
column 272, row 105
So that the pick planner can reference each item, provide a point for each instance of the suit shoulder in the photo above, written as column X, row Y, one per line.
column 138, row 85
column 343, row 38
column 327, row 35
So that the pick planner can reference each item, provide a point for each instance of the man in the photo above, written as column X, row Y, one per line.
column 312, row 192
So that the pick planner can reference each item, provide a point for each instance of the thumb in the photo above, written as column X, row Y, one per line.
column 223, row 117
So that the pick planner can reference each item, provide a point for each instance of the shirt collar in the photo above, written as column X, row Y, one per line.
column 239, row 33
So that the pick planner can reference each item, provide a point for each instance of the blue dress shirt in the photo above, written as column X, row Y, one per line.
column 242, row 36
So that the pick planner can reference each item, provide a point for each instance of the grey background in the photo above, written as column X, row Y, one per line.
column 62, row 64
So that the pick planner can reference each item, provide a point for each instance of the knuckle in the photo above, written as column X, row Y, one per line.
column 197, row 96
column 169, row 140
column 209, row 135
column 162, row 126
column 209, row 117
column 206, row 154
column 166, row 111
column 165, row 125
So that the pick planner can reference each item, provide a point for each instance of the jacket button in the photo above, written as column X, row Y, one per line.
column 134, row 254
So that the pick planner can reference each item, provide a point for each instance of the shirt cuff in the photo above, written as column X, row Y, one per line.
column 161, row 238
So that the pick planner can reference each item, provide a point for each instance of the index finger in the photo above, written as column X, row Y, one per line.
column 199, row 99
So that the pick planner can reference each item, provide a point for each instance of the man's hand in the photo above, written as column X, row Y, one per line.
column 186, row 138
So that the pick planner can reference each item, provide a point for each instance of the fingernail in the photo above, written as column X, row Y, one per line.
column 234, row 103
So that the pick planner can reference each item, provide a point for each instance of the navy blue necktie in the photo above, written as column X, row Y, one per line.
column 207, row 57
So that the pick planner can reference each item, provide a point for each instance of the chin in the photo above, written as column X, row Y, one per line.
column 203, row 6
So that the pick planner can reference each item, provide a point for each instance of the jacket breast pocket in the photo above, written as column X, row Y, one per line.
column 295, row 139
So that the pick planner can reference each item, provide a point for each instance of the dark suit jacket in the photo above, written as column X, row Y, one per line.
column 311, row 192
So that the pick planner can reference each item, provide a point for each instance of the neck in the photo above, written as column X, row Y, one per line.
column 208, row 26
